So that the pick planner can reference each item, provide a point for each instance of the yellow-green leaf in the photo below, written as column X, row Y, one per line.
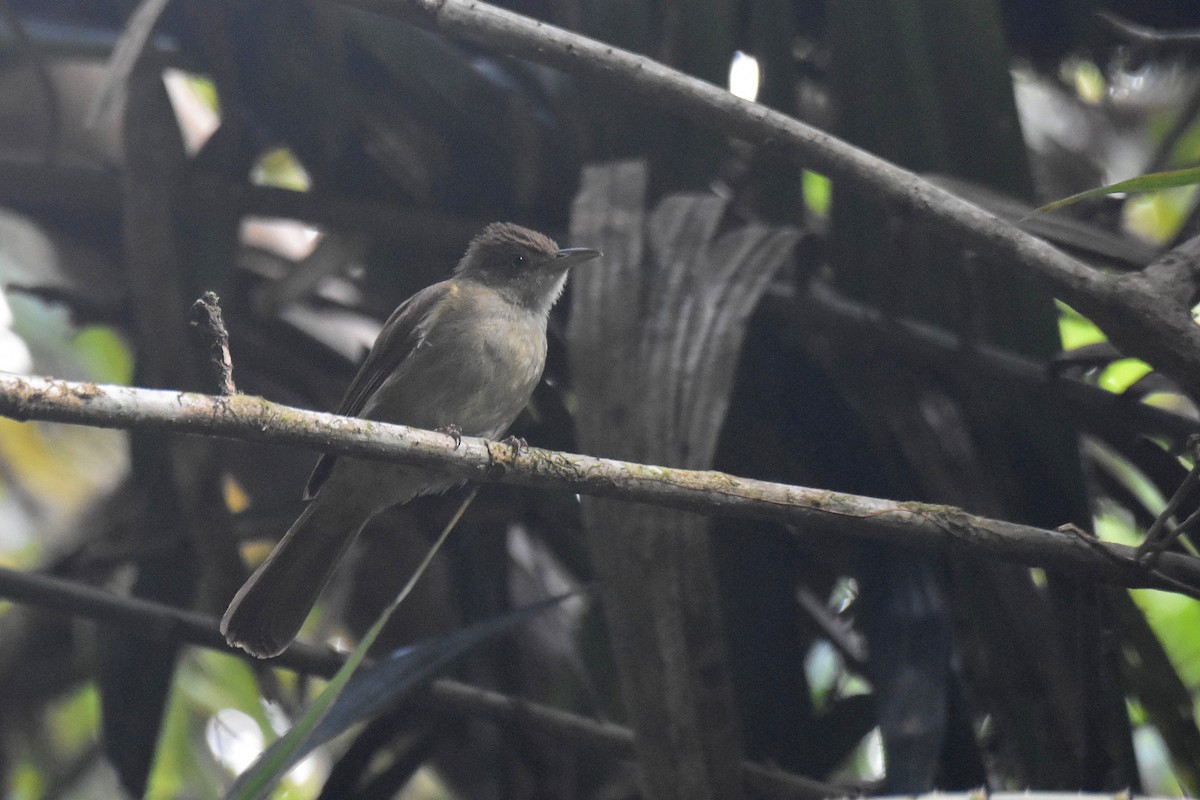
column 1153, row 182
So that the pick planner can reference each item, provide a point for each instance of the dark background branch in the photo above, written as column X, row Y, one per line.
column 160, row 623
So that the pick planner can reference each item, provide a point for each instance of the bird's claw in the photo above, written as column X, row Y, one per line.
column 454, row 432
column 516, row 443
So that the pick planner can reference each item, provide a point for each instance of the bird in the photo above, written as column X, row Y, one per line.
column 462, row 356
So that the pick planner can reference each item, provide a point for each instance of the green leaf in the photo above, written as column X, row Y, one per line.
column 106, row 356
column 277, row 759
column 1153, row 182
column 1174, row 619
column 1123, row 373
column 1075, row 329
column 386, row 682
column 818, row 191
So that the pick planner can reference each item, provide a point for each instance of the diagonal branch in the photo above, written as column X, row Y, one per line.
column 1087, row 406
column 831, row 514
column 1140, row 315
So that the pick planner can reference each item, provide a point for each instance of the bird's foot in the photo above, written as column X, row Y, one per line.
column 516, row 443
column 454, row 432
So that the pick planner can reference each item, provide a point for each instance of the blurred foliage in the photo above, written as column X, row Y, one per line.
column 1173, row 617
column 817, row 192
column 395, row 145
column 188, row 763
column 1159, row 215
column 280, row 168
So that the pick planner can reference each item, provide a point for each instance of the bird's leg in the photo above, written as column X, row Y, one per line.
column 453, row 431
column 516, row 443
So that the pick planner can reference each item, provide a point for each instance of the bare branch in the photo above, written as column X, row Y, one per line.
column 811, row 512
column 1087, row 406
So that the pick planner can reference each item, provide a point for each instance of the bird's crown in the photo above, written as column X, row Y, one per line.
column 504, row 246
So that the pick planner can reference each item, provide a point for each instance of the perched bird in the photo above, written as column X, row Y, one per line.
column 463, row 355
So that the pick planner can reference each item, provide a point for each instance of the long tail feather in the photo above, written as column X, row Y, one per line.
column 267, row 612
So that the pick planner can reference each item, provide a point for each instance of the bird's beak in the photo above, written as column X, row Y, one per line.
column 574, row 255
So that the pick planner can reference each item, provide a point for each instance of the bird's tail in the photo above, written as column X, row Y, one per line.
column 267, row 612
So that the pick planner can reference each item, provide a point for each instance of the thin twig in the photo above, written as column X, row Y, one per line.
column 1132, row 564
column 920, row 525
column 1182, row 530
column 1159, row 536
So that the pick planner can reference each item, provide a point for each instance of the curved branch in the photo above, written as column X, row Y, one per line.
column 809, row 511
column 1150, row 37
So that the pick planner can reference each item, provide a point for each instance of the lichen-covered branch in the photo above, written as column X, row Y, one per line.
column 812, row 513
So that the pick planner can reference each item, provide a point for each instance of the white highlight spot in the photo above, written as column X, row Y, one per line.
column 744, row 76
column 234, row 739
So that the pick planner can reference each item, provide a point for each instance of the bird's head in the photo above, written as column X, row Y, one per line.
column 527, row 267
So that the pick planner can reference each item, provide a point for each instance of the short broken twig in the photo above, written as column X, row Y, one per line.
column 1160, row 535
column 208, row 326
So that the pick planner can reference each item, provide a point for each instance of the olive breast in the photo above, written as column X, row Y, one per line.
column 475, row 368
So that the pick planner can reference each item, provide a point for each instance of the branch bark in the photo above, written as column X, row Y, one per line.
column 829, row 514
column 1142, row 315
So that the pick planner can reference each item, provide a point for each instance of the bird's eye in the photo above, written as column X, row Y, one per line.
column 518, row 261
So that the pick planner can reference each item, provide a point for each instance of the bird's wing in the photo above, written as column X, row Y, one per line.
column 403, row 333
